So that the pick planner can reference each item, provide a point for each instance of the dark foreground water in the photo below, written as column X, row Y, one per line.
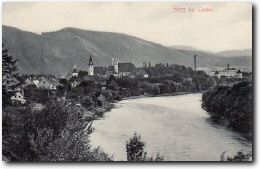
column 175, row 126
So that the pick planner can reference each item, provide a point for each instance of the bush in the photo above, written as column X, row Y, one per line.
column 135, row 150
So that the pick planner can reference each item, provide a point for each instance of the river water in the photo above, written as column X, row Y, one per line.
column 174, row 126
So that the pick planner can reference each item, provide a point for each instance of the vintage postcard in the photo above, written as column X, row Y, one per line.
column 127, row 81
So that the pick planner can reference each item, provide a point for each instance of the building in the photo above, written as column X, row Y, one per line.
column 229, row 73
column 75, row 72
column 47, row 83
column 239, row 74
column 90, row 67
column 74, row 83
column 28, row 81
column 36, row 82
column 111, row 71
column 31, row 81
column 18, row 98
column 115, row 64
column 117, row 69
column 125, row 69
column 140, row 73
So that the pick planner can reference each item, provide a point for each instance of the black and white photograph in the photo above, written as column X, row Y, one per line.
column 134, row 82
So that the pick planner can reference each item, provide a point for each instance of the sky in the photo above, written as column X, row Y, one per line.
column 225, row 26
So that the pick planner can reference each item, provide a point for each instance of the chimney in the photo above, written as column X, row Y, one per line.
column 195, row 64
column 227, row 66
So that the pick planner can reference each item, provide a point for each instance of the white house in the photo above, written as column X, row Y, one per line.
column 36, row 82
column 74, row 84
column 18, row 97
column 47, row 83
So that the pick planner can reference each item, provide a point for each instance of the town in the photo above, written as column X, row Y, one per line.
column 100, row 76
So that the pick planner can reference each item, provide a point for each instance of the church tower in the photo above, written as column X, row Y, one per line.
column 90, row 67
column 115, row 64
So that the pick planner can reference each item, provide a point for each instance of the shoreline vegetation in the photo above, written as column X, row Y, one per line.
column 59, row 129
column 231, row 106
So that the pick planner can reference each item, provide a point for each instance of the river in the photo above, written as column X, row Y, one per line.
column 174, row 126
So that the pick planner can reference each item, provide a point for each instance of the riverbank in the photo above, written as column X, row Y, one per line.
column 160, row 95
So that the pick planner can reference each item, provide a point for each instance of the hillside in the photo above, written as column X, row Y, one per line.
column 236, row 53
column 57, row 52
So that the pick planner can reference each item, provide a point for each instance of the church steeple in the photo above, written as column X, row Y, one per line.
column 90, row 60
column 90, row 66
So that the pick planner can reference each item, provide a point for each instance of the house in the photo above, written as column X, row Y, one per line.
column 18, row 98
column 140, row 73
column 111, row 71
column 74, row 83
column 187, row 79
column 125, row 69
column 47, row 83
column 64, row 77
column 28, row 81
column 36, row 82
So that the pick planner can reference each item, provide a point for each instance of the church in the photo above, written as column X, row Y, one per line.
column 117, row 69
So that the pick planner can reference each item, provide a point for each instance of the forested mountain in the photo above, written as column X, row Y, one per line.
column 57, row 52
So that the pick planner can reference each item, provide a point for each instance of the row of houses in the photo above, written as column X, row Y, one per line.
column 40, row 82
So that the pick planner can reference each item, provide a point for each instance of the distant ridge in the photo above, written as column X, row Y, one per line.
column 236, row 53
column 56, row 52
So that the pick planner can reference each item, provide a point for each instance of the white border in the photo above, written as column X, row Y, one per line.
column 154, row 165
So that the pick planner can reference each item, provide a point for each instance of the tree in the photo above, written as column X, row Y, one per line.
column 240, row 156
column 135, row 150
column 59, row 132
column 10, row 83
column 111, row 83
